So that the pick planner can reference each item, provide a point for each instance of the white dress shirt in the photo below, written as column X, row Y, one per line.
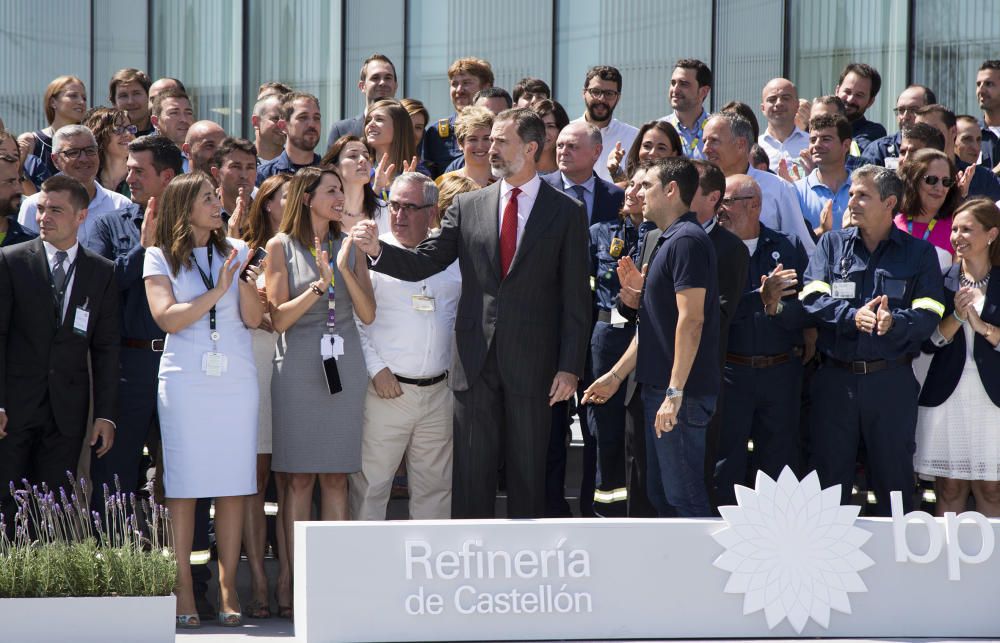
column 788, row 149
column 614, row 132
column 104, row 201
column 525, row 201
column 50, row 256
column 779, row 208
column 410, row 342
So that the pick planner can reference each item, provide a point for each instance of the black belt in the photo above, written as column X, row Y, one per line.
column 155, row 345
column 425, row 381
column 862, row 367
column 605, row 316
column 763, row 361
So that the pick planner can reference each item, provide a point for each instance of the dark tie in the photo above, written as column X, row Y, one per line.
column 580, row 191
column 59, row 273
column 508, row 233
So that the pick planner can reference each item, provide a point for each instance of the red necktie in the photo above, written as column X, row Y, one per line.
column 508, row 233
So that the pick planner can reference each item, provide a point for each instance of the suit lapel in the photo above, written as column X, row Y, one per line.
column 78, row 296
column 540, row 218
column 487, row 219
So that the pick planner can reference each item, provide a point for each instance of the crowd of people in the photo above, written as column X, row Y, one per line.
column 438, row 298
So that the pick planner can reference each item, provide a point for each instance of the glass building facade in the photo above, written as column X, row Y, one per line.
column 223, row 49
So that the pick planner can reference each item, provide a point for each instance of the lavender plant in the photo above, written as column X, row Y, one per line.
column 59, row 547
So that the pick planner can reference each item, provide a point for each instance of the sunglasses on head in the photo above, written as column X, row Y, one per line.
column 946, row 181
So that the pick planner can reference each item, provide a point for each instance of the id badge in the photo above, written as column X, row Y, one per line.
column 214, row 364
column 891, row 162
column 80, row 321
column 423, row 303
column 331, row 346
column 843, row 290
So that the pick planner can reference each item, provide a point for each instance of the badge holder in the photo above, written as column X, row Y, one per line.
column 331, row 345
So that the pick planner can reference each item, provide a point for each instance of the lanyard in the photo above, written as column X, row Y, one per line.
column 927, row 232
column 209, row 284
column 59, row 296
column 331, row 291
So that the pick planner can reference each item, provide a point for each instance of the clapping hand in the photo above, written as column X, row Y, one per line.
column 965, row 180
column 228, row 272
column 147, row 233
column 964, row 300
column 323, row 261
column 631, row 281
column 236, row 218
column 780, row 283
column 411, row 166
column 825, row 219
column 384, row 174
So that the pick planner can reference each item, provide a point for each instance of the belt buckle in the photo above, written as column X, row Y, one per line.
column 758, row 361
column 859, row 367
column 153, row 346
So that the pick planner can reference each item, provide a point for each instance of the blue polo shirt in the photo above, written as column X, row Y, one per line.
column 684, row 258
column 281, row 164
column 813, row 196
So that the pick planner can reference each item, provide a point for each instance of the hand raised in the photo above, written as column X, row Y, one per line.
column 965, row 180
column 615, row 158
column 411, row 166
column 826, row 217
column 147, row 233
column 883, row 316
column 323, row 261
column 777, row 285
column 228, row 272
column 383, row 174
column 364, row 235
column 236, row 219
column 783, row 171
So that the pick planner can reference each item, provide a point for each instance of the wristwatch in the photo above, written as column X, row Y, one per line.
column 674, row 392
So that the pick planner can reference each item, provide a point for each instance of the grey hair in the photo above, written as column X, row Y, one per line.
column 590, row 130
column 739, row 126
column 69, row 131
column 886, row 180
column 430, row 190
column 262, row 104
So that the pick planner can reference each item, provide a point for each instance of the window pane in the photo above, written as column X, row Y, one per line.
column 373, row 26
column 119, row 41
column 748, row 51
column 825, row 36
column 439, row 31
column 951, row 40
column 42, row 40
column 642, row 38
column 297, row 42
column 201, row 43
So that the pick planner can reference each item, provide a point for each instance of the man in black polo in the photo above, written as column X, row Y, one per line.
column 679, row 333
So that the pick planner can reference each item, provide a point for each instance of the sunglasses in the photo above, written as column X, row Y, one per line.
column 121, row 129
column 946, row 181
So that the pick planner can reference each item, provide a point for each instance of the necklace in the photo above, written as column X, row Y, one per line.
column 969, row 283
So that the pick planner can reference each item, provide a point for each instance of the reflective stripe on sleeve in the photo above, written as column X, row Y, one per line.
column 929, row 304
column 614, row 495
column 814, row 287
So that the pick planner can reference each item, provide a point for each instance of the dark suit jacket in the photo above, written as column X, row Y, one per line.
column 734, row 261
column 42, row 363
column 949, row 360
column 539, row 315
column 347, row 126
column 608, row 197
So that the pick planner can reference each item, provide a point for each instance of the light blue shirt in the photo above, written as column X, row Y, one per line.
column 814, row 194
column 692, row 137
column 588, row 192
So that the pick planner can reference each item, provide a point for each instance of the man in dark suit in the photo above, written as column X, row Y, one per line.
column 378, row 81
column 578, row 148
column 58, row 302
column 523, row 319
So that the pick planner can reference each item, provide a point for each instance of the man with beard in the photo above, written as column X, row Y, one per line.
column 858, row 87
column 300, row 121
column 690, row 83
column 11, row 231
column 523, row 319
column 602, row 88
column 234, row 167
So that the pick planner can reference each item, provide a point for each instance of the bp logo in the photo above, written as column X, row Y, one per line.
column 792, row 550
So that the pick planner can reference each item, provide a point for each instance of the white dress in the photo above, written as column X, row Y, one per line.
column 263, row 355
column 208, row 424
column 961, row 438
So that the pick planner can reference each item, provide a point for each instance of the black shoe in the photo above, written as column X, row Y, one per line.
column 204, row 606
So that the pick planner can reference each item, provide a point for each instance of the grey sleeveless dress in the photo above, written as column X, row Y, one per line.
column 312, row 430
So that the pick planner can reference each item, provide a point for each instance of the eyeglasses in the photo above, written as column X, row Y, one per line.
column 74, row 153
column 731, row 199
column 121, row 129
column 602, row 93
column 406, row 208
column 946, row 181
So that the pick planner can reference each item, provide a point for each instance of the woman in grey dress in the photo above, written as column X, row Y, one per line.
column 316, row 434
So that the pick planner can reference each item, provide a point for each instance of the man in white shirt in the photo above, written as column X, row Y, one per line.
column 728, row 137
column 779, row 101
column 408, row 349
column 75, row 154
column 602, row 89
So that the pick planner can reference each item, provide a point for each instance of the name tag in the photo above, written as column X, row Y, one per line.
column 423, row 303
column 616, row 318
column 81, row 321
column 214, row 364
column 331, row 346
column 843, row 290
column 891, row 162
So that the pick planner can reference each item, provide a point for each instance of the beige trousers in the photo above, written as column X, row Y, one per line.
column 417, row 425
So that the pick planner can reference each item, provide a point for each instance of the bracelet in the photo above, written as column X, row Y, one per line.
column 615, row 375
column 316, row 289
column 960, row 320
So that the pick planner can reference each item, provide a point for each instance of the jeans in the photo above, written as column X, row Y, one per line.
column 676, row 459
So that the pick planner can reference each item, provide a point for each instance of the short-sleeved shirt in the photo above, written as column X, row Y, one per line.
column 281, row 164
column 814, row 195
column 684, row 258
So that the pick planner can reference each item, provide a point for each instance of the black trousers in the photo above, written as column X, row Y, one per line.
column 38, row 452
column 639, row 505
column 493, row 424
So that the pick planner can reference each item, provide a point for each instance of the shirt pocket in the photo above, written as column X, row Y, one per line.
column 895, row 286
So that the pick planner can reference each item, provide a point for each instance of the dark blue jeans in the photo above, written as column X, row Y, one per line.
column 676, row 459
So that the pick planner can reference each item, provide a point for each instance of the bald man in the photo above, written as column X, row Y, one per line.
column 779, row 102
column 202, row 139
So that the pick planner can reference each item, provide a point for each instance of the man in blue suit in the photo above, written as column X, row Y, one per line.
column 577, row 149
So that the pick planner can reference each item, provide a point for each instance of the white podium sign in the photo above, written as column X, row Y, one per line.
column 788, row 561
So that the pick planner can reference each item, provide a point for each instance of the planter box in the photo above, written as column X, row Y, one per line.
column 137, row 619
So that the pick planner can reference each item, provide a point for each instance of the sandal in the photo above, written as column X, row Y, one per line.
column 284, row 611
column 258, row 609
column 188, row 621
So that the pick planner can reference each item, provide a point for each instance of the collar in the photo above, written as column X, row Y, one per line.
column 612, row 123
column 896, row 236
column 812, row 180
column 529, row 189
column 710, row 224
column 587, row 185
column 51, row 250
column 796, row 133
column 689, row 217
column 699, row 122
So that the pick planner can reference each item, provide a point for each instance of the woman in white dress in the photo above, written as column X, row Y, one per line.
column 958, row 423
column 207, row 400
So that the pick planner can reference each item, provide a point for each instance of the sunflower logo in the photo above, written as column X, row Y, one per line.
column 792, row 550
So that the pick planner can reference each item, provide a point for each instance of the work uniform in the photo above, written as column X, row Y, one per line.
column 864, row 388
column 441, row 145
column 609, row 242
column 762, row 376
